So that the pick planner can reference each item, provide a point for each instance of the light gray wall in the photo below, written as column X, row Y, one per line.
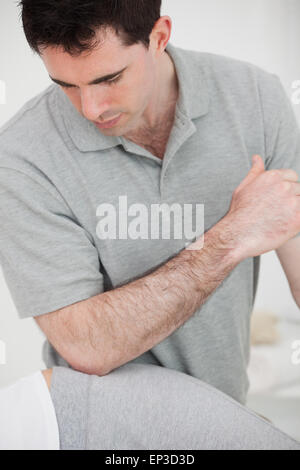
column 264, row 32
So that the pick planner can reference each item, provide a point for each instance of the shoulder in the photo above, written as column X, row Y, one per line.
column 28, row 134
column 225, row 68
column 30, row 145
column 228, row 78
column 242, row 84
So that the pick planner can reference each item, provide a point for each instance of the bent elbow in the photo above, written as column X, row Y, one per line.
column 86, row 365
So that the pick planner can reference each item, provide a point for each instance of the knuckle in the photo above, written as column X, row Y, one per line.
column 273, row 175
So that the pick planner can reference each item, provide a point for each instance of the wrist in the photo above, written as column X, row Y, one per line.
column 224, row 238
column 229, row 238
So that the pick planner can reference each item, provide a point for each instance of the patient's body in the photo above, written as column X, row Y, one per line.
column 137, row 406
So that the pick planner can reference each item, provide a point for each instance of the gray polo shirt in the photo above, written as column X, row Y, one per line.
column 57, row 168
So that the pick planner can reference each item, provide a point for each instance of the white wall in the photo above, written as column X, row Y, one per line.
column 264, row 32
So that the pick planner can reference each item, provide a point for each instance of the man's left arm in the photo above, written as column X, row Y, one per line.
column 283, row 151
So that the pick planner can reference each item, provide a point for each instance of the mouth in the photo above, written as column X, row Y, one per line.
column 107, row 124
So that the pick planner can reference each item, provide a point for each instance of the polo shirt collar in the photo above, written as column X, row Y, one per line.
column 192, row 103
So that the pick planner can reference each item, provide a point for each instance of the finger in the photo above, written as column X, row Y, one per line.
column 257, row 168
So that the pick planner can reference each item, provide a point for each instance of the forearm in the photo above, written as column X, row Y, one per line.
column 114, row 327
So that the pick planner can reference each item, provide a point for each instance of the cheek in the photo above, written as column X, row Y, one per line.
column 131, row 95
column 139, row 84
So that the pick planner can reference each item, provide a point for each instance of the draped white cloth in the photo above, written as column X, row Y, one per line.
column 27, row 416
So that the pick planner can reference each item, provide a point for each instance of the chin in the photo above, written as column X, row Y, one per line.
column 112, row 132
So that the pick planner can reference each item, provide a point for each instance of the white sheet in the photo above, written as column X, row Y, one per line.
column 27, row 416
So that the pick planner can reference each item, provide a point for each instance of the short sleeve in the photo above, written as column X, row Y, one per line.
column 283, row 131
column 48, row 259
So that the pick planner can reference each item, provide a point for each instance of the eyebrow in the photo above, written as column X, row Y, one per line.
column 105, row 78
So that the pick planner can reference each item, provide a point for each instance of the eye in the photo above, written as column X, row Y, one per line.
column 108, row 82
column 115, row 80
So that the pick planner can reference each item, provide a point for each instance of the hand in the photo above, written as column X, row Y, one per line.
column 265, row 209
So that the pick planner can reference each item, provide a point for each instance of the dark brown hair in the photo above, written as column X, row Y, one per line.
column 72, row 24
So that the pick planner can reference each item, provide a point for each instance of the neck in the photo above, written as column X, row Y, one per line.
column 166, row 90
column 162, row 105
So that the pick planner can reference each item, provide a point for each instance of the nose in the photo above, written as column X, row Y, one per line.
column 94, row 104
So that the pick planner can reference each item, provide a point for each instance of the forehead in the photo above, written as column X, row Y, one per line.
column 108, row 55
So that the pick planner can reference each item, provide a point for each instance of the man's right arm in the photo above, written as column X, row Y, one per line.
column 108, row 330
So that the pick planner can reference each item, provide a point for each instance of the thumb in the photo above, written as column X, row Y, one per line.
column 257, row 161
column 257, row 168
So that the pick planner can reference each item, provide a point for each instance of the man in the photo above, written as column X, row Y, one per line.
column 188, row 125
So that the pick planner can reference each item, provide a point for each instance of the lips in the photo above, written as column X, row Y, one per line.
column 110, row 123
